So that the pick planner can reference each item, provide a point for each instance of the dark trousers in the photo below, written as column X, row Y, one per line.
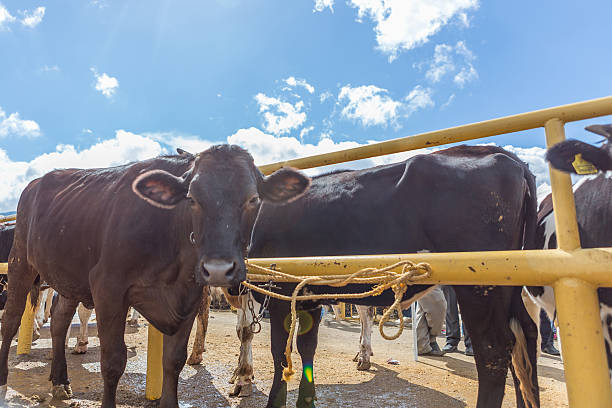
column 453, row 333
column 545, row 330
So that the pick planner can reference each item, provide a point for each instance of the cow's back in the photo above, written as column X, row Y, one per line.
column 439, row 202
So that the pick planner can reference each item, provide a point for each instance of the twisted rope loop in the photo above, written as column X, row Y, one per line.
column 385, row 278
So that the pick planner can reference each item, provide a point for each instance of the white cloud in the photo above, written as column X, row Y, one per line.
column 442, row 63
column 106, row 84
column 305, row 131
column 280, row 117
column 321, row 5
column 371, row 105
column 126, row 146
column 293, row 82
column 123, row 148
column 325, row 96
column 50, row 68
column 32, row 18
column 5, row 18
column 401, row 25
column 448, row 102
column 13, row 125
column 418, row 98
column 449, row 59
column 467, row 74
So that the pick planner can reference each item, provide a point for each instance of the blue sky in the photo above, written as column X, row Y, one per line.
column 98, row 83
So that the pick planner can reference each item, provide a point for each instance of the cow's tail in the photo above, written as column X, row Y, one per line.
column 530, row 211
column 35, row 292
column 522, row 364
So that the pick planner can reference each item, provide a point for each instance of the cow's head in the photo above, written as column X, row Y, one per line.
column 224, row 190
column 562, row 155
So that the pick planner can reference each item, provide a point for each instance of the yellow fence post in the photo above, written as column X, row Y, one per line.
column 24, row 344
column 584, row 358
column 562, row 193
column 155, row 372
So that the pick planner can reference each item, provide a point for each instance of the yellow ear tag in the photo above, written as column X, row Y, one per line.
column 582, row 166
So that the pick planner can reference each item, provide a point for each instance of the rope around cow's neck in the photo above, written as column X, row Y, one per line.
column 399, row 282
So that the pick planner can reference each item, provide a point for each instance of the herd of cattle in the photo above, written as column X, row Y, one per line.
column 158, row 235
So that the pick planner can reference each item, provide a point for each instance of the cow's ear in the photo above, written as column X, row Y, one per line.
column 563, row 154
column 603, row 130
column 283, row 185
column 160, row 188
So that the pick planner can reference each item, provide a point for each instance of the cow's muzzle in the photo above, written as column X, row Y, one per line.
column 219, row 272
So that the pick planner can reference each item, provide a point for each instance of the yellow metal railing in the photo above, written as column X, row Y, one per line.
column 574, row 273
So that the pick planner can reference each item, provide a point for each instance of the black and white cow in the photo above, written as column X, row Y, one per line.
column 593, row 198
column 465, row 198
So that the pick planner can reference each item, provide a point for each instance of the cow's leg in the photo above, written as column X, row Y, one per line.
column 308, row 333
column 40, row 314
column 337, row 312
column 110, row 315
column 133, row 322
column 48, row 303
column 199, row 345
column 62, row 318
column 279, row 310
column 243, row 375
column 22, row 278
column 82, row 338
column 174, row 357
column 486, row 319
column 366, row 318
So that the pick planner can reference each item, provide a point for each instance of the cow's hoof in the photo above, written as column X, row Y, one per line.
column 35, row 335
column 133, row 323
column 194, row 360
column 80, row 348
column 363, row 365
column 61, row 392
column 242, row 390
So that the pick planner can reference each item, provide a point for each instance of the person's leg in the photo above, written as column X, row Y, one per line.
column 453, row 334
column 546, row 332
column 433, row 306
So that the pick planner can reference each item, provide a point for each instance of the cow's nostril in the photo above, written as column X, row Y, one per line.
column 232, row 271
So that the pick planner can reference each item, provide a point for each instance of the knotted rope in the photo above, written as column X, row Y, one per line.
column 385, row 278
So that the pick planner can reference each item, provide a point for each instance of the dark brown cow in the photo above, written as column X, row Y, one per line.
column 149, row 234
column 465, row 198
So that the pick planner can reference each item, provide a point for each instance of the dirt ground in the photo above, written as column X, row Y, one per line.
column 448, row 381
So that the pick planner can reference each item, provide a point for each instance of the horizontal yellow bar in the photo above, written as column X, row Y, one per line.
column 8, row 218
column 534, row 267
column 3, row 268
column 508, row 124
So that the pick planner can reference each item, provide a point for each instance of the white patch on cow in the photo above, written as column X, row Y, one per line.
column 3, row 390
column 365, row 340
column 243, row 375
column 546, row 301
column 605, row 311
column 82, row 338
column 583, row 180
column 549, row 228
